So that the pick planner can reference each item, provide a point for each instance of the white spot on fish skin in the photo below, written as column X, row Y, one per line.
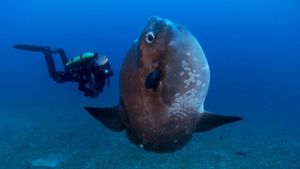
column 198, row 83
column 141, row 145
column 188, row 53
column 171, row 43
column 184, row 63
column 159, row 19
column 167, row 67
column 203, row 85
column 177, row 95
column 191, row 79
column 181, row 73
column 193, row 76
column 189, row 100
column 151, row 26
column 187, row 68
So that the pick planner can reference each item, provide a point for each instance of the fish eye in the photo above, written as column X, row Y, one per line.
column 150, row 37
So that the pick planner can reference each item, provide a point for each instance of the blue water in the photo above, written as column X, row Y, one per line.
column 253, row 49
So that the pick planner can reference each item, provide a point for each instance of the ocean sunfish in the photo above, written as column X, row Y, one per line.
column 163, row 84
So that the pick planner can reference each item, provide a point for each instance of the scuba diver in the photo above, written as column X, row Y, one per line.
column 91, row 70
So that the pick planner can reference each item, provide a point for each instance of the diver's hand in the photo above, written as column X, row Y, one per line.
column 92, row 93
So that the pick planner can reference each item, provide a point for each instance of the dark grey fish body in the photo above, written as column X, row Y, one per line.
column 163, row 84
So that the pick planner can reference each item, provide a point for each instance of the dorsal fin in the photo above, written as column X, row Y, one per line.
column 208, row 121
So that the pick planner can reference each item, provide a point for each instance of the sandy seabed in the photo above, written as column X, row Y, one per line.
column 80, row 142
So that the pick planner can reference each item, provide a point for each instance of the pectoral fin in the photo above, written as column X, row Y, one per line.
column 109, row 117
column 208, row 121
column 153, row 80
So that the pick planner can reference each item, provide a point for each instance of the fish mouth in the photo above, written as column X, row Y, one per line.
column 152, row 81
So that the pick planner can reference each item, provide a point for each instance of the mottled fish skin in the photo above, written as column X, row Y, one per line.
column 164, row 120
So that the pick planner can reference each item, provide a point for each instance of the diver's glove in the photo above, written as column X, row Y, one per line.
column 92, row 93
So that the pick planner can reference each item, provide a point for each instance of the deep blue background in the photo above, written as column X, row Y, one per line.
column 252, row 46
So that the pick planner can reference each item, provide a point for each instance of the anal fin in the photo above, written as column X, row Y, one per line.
column 109, row 117
column 208, row 121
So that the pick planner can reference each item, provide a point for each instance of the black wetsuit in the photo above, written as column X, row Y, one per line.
column 90, row 76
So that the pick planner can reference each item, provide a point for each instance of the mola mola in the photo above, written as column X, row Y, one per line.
column 163, row 84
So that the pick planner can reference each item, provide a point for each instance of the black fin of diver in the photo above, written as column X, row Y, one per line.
column 33, row 48
column 208, row 121
column 152, row 80
column 108, row 116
